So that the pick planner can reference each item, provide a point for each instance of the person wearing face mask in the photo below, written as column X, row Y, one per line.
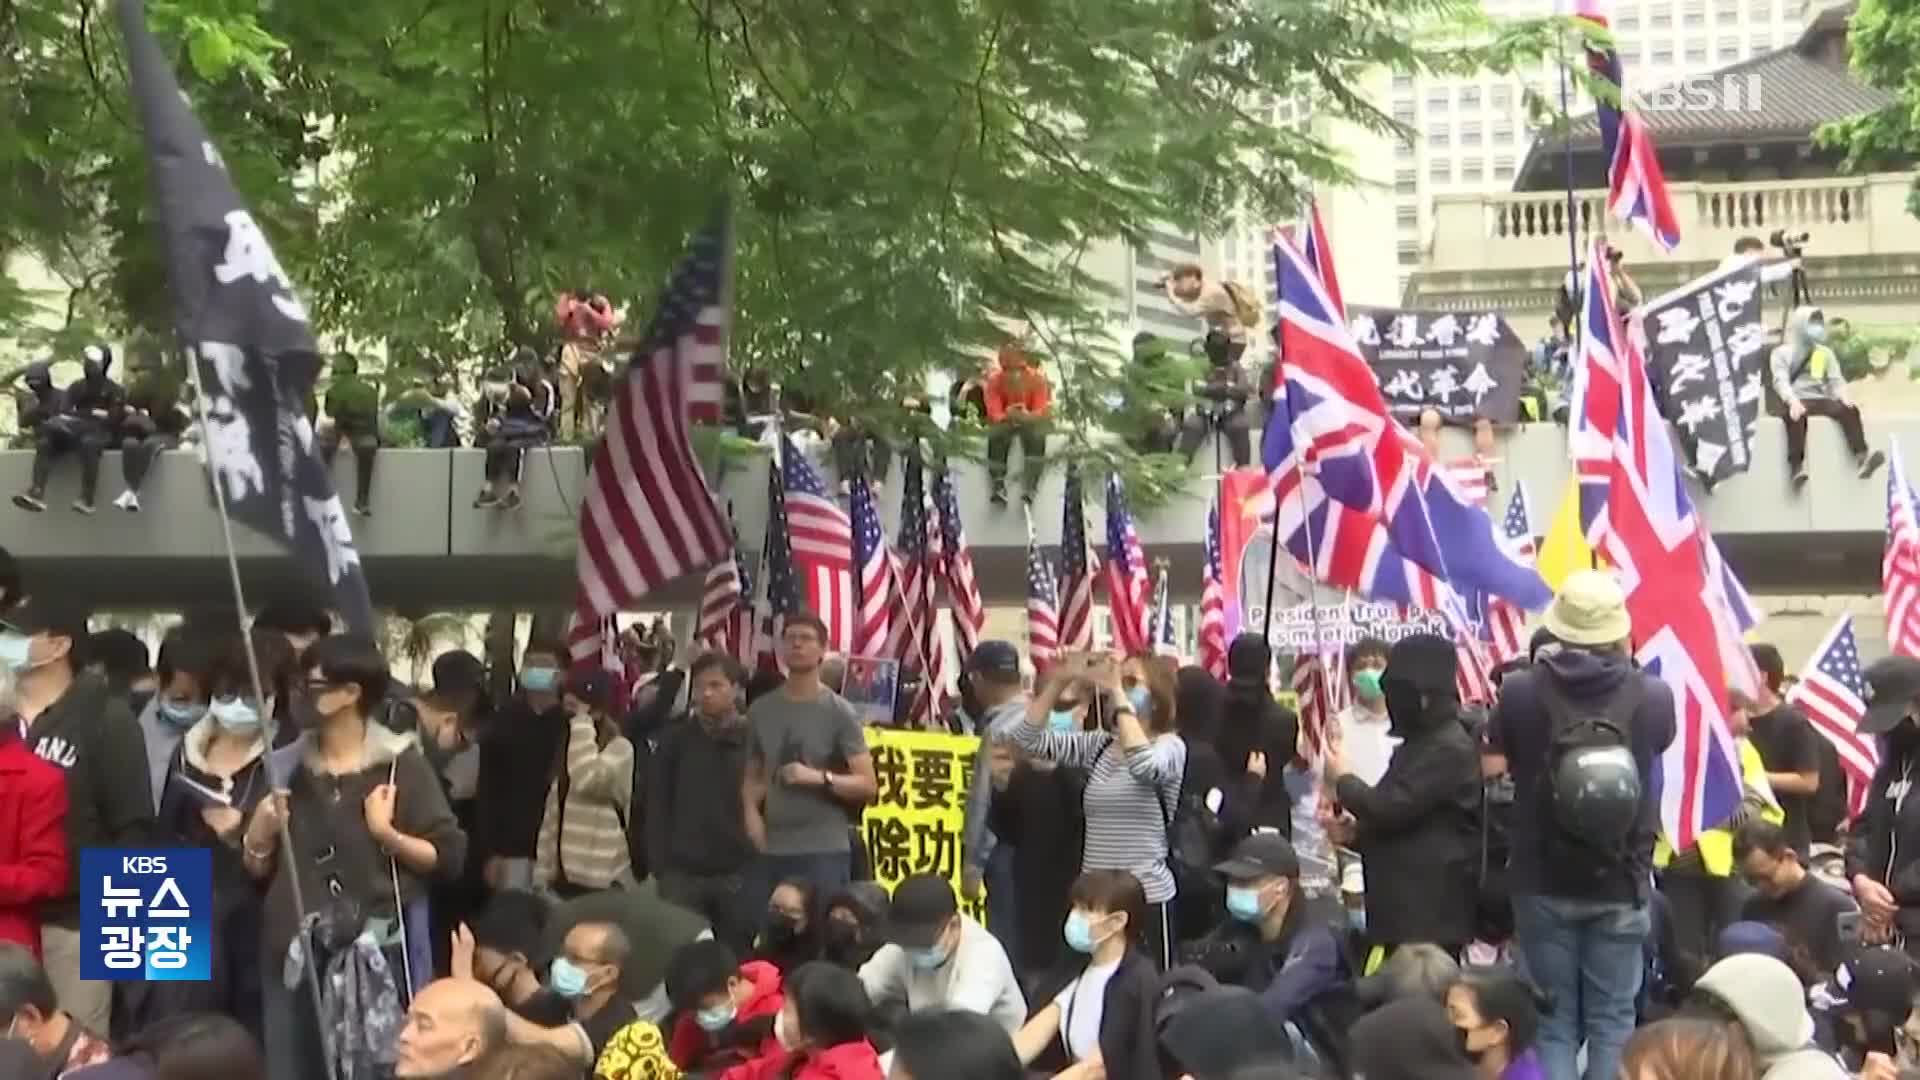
column 1269, row 943
column 1000, row 701
column 33, row 846
column 72, row 720
column 1366, row 730
column 697, row 844
column 1883, row 857
column 517, row 759
column 854, row 921
column 91, row 411
column 215, row 780
column 939, row 958
column 504, row 948
column 824, row 1029
column 1102, row 1015
column 789, row 932
column 1806, row 375
column 1495, row 1016
column 1257, row 739
column 186, row 653
column 1417, row 828
column 361, row 819
column 587, row 974
column 726, row 1008
column 582, row 846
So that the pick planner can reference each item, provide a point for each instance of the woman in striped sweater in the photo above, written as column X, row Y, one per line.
column 1134, row 763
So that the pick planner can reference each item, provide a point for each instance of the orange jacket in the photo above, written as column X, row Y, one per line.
column 1027, row 387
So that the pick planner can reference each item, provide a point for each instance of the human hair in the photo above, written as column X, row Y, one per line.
column 1760, row 835
column 1367, row 648
column 458, row 671
column 1419, row 970
column 523, row 1062
column 697, row 969
column 350, row 660
column 727, row 666
column 615, row 946
column 954, row 1044
column 1773, row 667
column 228, row 672
column 514, row 921
column 24, row 982
column 1747, row 245
column 121, row 653
column 1689, row 1048
column 1162, row 702
column 1200, row 705
column 295, row 619
column 198, row 1046
column 542, row 645
column 1187, row 269
column 1112, row 891
column 807, row 620
column 830, row 1003
column 187, row 649
column 1500, row 994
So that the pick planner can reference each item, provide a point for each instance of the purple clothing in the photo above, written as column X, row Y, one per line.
column 1525, row 1067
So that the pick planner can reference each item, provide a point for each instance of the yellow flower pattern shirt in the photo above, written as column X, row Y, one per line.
column 637, row 1052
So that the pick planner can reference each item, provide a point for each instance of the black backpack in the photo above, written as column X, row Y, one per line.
column 1587, row 846
column 1194, row 836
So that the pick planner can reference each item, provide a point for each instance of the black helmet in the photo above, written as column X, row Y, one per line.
column 1596, row 793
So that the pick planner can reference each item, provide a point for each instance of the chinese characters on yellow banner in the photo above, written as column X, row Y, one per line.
column 914, row 825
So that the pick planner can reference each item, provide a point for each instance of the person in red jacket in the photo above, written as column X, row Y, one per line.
column 1018, row 402
column 727, row 1009
column 822, row 1028
column 33, row 836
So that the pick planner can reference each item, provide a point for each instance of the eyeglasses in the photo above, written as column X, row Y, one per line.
column 319, row 686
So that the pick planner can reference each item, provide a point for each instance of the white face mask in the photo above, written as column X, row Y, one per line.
column 786, row 1036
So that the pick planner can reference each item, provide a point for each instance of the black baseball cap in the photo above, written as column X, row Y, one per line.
column 1878, row 980
column 995, row 658
column 923, row 905
column 1261, row 855
column 40, row 616
column 1893, row 682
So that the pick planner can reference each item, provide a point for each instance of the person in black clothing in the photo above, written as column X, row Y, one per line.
column 1787, row 896
column 1789, row 748
column 1036, row 810
column 75, row 722
column 1417, row 830
column 1102, row 1007
column 513, row 416
column 1199, row 702
column 153, row 422
column 856, row 923
column 516, row 768
column 1883, row 859
column 90, row 414
column 790, row 932
column 696, row 837
column 1222, row 411
column 1257, row 738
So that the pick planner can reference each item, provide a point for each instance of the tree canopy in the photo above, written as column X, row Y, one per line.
column 905, row 173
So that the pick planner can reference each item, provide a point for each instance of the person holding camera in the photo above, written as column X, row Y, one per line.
column 1807, row 376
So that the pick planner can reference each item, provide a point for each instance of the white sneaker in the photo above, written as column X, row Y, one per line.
column 130, row 502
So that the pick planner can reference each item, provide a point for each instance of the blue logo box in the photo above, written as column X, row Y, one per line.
column 146, row 914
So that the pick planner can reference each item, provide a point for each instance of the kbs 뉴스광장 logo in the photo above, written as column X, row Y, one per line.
column 146, row 914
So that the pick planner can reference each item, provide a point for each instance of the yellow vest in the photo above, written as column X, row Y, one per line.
column 1716, row 844
column 1817, row 362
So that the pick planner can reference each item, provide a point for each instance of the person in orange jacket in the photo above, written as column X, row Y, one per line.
column 1018, row 403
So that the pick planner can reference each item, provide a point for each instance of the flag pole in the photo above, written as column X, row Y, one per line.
column 1577, row 330
column 270, row 727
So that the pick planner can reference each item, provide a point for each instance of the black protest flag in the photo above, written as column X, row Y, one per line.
column 255, row 349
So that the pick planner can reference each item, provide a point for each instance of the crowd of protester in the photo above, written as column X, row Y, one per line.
column 652, row 873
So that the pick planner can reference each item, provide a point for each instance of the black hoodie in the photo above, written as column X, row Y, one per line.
column 92, row 735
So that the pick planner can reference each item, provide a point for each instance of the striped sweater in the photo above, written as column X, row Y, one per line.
column 590, row 844
column 1131, row 794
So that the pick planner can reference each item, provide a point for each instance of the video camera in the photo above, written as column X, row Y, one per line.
column 1789, row 242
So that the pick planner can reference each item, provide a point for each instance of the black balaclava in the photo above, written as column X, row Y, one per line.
column 39, row 380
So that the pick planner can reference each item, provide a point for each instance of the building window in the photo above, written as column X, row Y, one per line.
column 1409, row 252
column 1696, row 13
column 1503, row 168
column 1437, row 100
column 1438, row 139
column 1761, row 42
column 1403, row 84
column 1629, row 20
column 1696, row 52
column 1503, row 97
column 1760, row 11
column 1726, row 14
column 1661, row 18
column 1503, row 133
column 1406, row 182
column 1403, row 150
column 1470, row 133
column 1662, row 53
column 1407, row 214
column 1472, row 171
column 1403, row 112
column 1728, row 51
column 1469, row 97
column 1440, row 170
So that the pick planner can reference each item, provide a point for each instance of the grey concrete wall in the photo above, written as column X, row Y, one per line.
column 427, row 546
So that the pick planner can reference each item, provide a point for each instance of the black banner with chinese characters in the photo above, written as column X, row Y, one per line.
column 1705, row 349
column 1463, row 364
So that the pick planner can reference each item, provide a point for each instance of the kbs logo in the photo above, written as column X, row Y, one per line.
column 145, row 914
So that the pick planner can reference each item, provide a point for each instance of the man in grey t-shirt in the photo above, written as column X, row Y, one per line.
column 808, row 771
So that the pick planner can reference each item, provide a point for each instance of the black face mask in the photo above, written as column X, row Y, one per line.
column 1905, row 736
column 779, row 932
column 843, row 938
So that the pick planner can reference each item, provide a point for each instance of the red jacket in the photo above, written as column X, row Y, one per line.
column 33, row 838
column 848, row 1061
column 1028, row 387
column 690, row 1046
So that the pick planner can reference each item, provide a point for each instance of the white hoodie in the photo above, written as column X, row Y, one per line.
column 1772, row 1006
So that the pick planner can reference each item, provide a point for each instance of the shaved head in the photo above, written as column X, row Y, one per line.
column 453, row 1022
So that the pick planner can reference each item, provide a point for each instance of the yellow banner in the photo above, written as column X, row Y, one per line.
column 915, row 823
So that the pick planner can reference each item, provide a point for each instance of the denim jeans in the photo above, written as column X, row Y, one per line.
column 1589, row 955
column 1003, row 900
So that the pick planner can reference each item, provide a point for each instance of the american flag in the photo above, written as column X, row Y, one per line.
column 1076, row 570
column 962, row 588
column 726, row 607
column 822, row 538
column 649, row 515
column 878, row 600
column 918, row 548
column 1833, row 694
column 1636, row 189
column 1506, row 623
column 1900, row 565
column 1473, row 477
column 1043, row 608
column 1161, row 624
column 1651, row 535
column 1213, row 603
column 1126, row 575
column 781, row 583
column 1320, row 689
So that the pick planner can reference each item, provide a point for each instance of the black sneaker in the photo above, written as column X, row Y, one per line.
column 999, row 499
column 1871, row 464
column 27, row 500
column 82, row 506
column 1799, row 476
column 511, row 502
column 363, row 510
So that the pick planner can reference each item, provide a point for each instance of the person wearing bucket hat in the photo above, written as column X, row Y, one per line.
column 1582, row 732
column 1883, row 861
